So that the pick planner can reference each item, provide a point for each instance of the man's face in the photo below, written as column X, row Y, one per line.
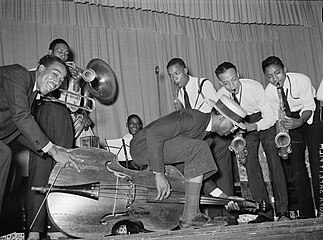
column 50, row 78
column 230, row 80
column 134, row 125
column 275, row 74
column 222, row 126
column 61, row 51
column 178, row 75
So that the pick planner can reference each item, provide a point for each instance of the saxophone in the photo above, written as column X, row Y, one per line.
column 282, row 138
column 176, row 102
column 238, row 146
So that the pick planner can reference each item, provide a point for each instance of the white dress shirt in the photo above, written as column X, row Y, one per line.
column 299, row 97
column 252, row 99
column 192, row 88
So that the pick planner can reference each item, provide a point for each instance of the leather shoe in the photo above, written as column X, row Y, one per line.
column 200, row 221
column 231, row 220
column 283, row 216
column 261, row 219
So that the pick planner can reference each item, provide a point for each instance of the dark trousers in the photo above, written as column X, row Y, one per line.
column 313, row 134
column 267, row 139
column 254, row 170
column 5, row 160
column 298, row 182
column 54, row 119
column 223, row 158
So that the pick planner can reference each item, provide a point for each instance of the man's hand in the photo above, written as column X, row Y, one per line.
column 162, row 185
column 250, row 126
column 292, row 123
column 63, row 157
column 232, row 205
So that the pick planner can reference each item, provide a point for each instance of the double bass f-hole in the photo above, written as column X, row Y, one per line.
column 104, row 194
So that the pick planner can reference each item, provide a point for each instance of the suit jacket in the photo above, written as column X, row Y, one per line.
column 16, row 98
column 148, row 143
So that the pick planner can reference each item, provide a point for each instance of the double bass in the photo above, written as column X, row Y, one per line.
column 94, row 201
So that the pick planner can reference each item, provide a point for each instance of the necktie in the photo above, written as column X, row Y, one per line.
column 235, row 98
column 186, row 99
column 286, row 105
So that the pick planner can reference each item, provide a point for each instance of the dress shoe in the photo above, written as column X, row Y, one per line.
column 231, row 220
column 283, row 216
column 261, row 219
column 200, row 221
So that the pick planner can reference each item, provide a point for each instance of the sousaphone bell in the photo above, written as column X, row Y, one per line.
column 99, row 82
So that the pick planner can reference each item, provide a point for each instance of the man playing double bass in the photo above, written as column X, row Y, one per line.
column 178, row 138
column 18, row 90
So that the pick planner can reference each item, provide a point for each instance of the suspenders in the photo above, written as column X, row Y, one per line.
column 200, row 93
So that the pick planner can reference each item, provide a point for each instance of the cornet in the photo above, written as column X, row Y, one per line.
column 238, row 146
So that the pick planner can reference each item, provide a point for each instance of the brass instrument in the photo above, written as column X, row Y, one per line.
column 86, row 108
column 88, row 75
column 175, row 99
column 99, row 82
column 282, row 138
column 238, row 146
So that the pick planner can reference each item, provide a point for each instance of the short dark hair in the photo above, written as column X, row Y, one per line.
column 176, row 61
column 57, row 41
column 223, row 67
column 48, row 60
column 272, row 60
column 134, row 116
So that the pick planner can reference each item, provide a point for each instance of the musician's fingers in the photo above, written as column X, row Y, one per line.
column 158, row 197
column 75, row 165
column 74, row 157
column 168, row 191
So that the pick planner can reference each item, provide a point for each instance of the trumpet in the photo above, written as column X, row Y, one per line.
column 88, row 75
column 238, row 146
column 282, row 138
column 85, row 107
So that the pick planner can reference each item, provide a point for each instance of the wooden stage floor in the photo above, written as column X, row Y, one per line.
column 288, row 230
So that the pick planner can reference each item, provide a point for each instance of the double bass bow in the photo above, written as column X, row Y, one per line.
column 104, row 193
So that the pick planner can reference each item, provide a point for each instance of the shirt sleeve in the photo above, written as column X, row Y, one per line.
column 319, row 93
column 208, row 90
column 268, row 116
column 306, row 96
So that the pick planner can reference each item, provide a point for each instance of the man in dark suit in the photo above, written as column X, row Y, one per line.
column 18, row 90
column 178, row 138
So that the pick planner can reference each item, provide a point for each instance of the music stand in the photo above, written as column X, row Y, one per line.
column 119, row 147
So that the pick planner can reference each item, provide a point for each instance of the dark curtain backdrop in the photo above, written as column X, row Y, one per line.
column 135, row 36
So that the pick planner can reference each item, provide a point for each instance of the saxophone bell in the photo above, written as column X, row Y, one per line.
column 238, row 146
column 282, row 140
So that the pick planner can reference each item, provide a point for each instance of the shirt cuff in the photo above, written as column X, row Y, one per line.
column 48, row 146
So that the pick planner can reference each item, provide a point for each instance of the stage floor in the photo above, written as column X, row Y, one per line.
column 293, row 229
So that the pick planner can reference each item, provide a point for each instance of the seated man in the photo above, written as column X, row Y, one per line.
column 178, row 138
column 134, row 124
